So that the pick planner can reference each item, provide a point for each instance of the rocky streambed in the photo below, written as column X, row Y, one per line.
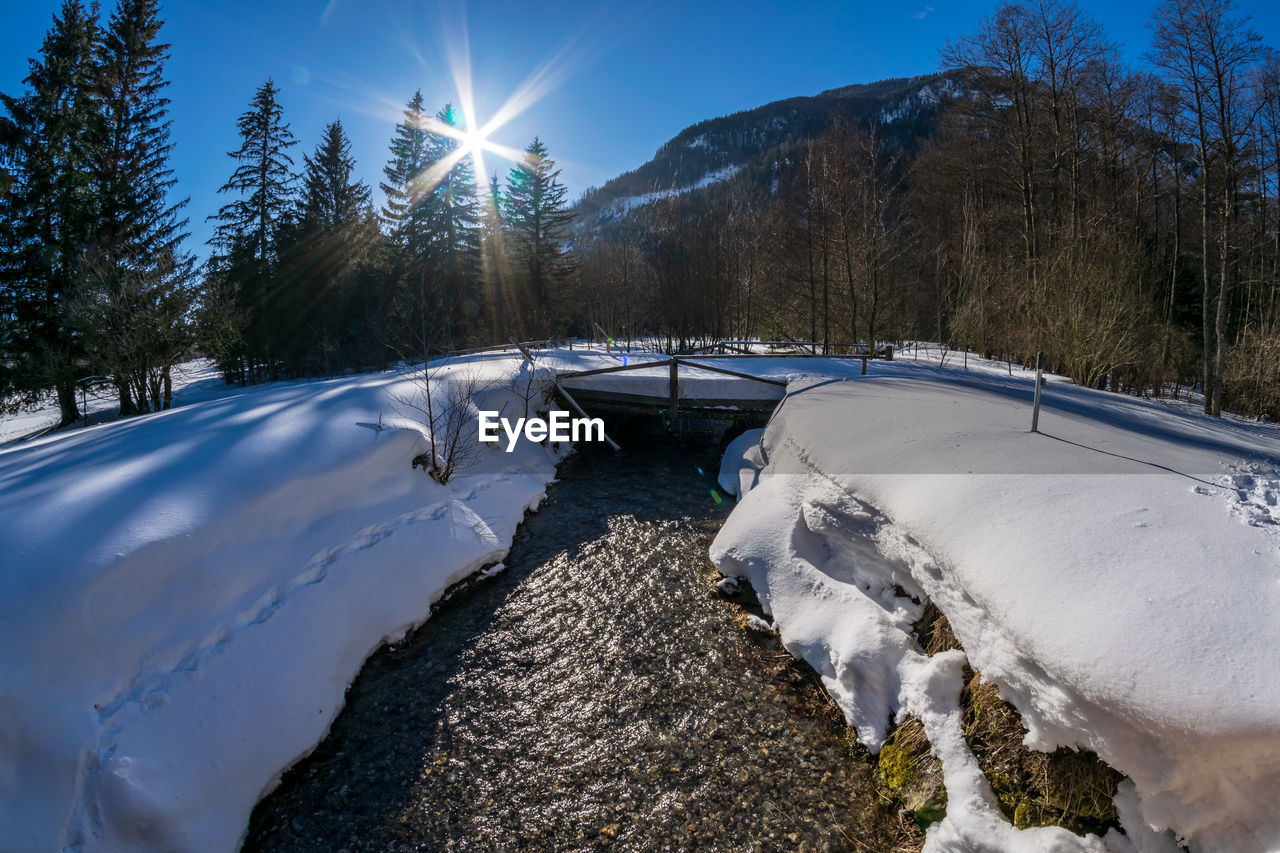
column 598, row 692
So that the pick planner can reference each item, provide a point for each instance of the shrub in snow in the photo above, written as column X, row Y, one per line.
column 446, row 411
column 532, row 386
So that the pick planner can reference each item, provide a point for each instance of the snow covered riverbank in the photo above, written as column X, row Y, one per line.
column 1116, row 576
column 186, row 596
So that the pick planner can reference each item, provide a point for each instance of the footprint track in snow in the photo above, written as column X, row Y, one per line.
column 1252, row 492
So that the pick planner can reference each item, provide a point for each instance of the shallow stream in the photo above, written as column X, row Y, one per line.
column 599, row 692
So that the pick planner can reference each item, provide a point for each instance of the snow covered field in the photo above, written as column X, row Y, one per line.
column 1116, row 577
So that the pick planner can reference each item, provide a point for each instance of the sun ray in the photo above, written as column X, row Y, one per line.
column 471, row 133
column 425, row 182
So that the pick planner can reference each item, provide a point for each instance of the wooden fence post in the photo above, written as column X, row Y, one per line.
column 1035, row 405
column 674, row 389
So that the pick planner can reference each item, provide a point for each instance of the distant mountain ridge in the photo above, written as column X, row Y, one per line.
column 714, row 149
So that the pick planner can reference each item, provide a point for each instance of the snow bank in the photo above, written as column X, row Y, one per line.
column 187, row 595
column 1116, row 576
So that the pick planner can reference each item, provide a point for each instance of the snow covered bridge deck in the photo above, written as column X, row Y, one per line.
column 673, row 387
column 680, row 386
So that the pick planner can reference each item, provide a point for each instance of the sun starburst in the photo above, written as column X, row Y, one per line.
column 474, row 137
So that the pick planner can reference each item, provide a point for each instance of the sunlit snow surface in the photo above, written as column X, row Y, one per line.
column 1116, row 576
column 185, row 596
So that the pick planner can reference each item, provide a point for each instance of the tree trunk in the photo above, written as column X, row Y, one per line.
column 67, row 403
column 1206, row 305
column 1220, row 324
column 127, row 407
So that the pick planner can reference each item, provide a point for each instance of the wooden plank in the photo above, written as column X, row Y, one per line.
column 574, row 403
column 674, row 393
column 730, row 373
column 641, row 404
column 523, row 350
column 589, row 396
column 1035, row 405
column 618, row 368
column 780, row 355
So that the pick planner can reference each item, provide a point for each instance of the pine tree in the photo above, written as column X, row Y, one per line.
column 45, row 214
column 332, row 197
column 432, row 211
column 495, row 273
column 404, row 186
column 405, row 218
column 452, row 205
column 246, row 241
column 454, row 227
column 137, row 279
column 333, row 232
column 538, row 218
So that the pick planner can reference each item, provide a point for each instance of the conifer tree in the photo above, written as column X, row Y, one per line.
column 537, row 219
column 495, row 273
column 405, row 173
column 405, row 218
column 453, row 208
column 45, row 214
column 246, row 241
column 454, row 227
column 333, row 231
column 433, row 215
column 137, row 279
column 331, row 195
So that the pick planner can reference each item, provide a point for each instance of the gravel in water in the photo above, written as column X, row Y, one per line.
column 598, row 693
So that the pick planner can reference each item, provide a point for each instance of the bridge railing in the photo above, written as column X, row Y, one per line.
column 673, row 365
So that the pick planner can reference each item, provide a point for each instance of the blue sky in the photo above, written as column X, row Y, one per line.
column 619, row 80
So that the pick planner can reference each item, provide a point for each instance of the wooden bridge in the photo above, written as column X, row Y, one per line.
column 656, row 393
column 655, row 385
column 684, row 386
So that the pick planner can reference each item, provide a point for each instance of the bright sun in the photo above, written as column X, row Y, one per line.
column 473, row 136
column 473, row 141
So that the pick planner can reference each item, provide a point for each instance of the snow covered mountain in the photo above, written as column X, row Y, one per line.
column 711, row 151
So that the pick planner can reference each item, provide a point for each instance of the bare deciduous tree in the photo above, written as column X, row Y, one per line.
column 445, row 409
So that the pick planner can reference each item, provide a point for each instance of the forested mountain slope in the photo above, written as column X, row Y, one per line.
column 904, row 108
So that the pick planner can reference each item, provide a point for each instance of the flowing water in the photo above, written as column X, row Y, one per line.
column 599, row 692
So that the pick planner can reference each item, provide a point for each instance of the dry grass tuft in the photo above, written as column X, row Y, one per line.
column 1065, row 788
column 910, row 776
column 933, row 631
